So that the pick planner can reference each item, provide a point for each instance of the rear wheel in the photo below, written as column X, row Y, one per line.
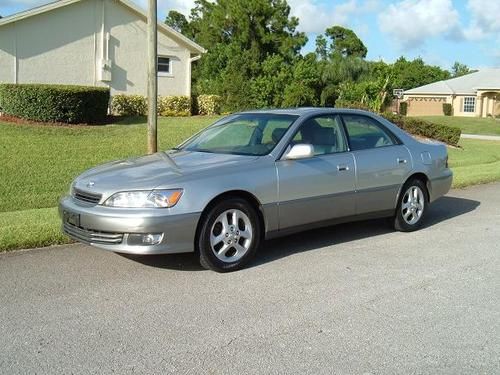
column 229, row 235
column 412, row 206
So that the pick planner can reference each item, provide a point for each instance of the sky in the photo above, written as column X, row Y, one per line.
column 439, row 31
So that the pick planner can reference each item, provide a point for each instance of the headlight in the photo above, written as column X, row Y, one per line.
column 141, row 199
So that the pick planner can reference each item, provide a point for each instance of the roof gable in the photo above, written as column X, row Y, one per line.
column 165, row 29
column 468, row 84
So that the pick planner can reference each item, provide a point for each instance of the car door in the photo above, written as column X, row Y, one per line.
column 321, row 187
column 382, row 163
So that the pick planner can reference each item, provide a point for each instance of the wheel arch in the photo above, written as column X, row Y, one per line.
column 419, row 176
column 236, row 193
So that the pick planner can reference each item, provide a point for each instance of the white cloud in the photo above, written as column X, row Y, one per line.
column 484, row 19
column 164, row 6
column 315, row 17
column 411, row 22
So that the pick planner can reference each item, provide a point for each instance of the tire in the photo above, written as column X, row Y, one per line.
column 224, row 245
column 410, row 211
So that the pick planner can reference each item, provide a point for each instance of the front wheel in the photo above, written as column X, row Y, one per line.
column 229, row 235
column 412, row 206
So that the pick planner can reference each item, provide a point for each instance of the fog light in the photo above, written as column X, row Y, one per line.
column 146, row 239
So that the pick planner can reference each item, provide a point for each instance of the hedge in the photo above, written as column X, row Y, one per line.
column 137, row 105
column 340, row 103
column 55, row 103
column 447, row 109
column 416, row 126
column 174, row 105
column 208, row 104
column 129, row 105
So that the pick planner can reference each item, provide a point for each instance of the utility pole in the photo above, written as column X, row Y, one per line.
column 152, row 76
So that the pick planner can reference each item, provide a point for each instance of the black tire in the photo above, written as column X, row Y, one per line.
column 400, row 223
column 208, row 258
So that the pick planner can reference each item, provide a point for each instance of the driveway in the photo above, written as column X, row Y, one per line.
column 351, row 299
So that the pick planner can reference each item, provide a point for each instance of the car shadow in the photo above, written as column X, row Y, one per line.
column 441, row 210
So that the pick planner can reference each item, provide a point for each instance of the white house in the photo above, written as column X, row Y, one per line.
column 95, row 43
column 475, row 94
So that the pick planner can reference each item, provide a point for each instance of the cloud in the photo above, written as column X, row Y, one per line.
column 411, row 22
column 164, row 6
column 484, row 19
column 315, row 17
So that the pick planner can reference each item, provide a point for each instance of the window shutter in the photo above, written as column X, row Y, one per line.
column 462, row 109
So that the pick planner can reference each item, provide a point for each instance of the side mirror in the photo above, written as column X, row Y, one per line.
column 300, row 151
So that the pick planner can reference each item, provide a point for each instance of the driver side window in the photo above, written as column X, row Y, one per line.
column 324, row 133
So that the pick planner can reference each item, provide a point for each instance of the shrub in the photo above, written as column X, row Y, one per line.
column 403, row 108
column 340, row 103
column 55, row 103
column 174, row 105
column 416, row 126
column 209, row 104
column 129, row 105
column 447, row 109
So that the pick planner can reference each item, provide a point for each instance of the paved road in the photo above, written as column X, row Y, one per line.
column 355, row 298
column 481, row 137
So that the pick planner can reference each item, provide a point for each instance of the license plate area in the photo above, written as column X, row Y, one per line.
column 71, row 218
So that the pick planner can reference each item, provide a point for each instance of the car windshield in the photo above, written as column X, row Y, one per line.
column 243, row 134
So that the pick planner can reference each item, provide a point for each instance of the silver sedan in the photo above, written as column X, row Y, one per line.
column 253, row 176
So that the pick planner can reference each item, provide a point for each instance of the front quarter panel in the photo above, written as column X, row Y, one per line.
column 257, row 178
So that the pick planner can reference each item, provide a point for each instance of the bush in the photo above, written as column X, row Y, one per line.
column 208, row 104
column 447, row 109
column 55, row 103
column 174, row 105
column 137, row 105
column 129, row 105
column 340, row 103
column 403, row 108
column 413, row 125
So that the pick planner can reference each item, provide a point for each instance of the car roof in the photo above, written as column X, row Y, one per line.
column 302, row 111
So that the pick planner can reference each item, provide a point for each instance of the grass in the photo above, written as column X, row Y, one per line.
column 469, row 125
column 38, row 162
column 477, row 162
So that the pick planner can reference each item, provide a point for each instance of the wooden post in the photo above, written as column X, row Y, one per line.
column 152, row 76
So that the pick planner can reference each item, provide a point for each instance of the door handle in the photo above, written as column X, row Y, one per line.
column 402, row 161
column 341, row 168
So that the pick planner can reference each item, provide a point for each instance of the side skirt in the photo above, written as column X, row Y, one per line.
column 327, row 223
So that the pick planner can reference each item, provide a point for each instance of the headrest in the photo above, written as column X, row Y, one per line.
column 323, row 136
column 277, row 134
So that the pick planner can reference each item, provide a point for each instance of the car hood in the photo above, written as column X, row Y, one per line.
column 148, row 172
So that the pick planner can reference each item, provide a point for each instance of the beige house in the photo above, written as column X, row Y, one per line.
column 92, row 42
column 475, row 94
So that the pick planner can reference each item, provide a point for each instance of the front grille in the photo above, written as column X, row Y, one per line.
column 85, row 196
column 91, row 236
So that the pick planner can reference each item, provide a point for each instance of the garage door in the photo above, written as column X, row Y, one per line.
column 425, row 106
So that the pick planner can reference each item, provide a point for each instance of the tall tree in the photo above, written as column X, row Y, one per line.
column 178, row 22
column 343, row 42
column 239, row 36
column 459, row 69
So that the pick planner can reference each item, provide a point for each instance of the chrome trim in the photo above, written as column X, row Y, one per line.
column 91, row 236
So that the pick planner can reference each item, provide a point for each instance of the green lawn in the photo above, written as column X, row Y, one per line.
column 39, row 162
column 469, row 125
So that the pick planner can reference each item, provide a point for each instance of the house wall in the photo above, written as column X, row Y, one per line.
column 66, row 45
column 426, row 105
column 128, row 51
column 458, row 107
column 53, row 47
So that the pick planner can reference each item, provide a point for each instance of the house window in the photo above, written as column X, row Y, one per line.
column 164, row 66
column 469, row 104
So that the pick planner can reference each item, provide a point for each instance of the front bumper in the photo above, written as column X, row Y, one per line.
column 110, row 228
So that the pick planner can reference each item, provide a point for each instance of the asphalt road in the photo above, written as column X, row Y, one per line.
column 350, row 299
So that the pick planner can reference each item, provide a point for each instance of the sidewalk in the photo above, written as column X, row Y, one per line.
column 482, row 137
